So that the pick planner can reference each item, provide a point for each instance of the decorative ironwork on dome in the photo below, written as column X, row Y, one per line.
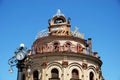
column 44, row 33
column 59, row 13
column 75, row 33
column 41, row 34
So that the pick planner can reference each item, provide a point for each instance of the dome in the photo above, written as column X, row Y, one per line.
column 61, row 55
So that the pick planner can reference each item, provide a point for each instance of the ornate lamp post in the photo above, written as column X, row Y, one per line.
column 19, row 60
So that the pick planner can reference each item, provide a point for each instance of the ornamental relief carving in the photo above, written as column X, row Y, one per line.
column 84, row 65
column 56, row 46
column 65, row 64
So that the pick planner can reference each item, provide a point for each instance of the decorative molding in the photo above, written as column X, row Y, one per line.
column 62, row 74
column 67, row 74
column 44, row 64
column 95, row 54
column 84, row 65
column 65, row 64
column 97, row 69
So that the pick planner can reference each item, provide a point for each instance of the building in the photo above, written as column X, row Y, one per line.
column 62, row 54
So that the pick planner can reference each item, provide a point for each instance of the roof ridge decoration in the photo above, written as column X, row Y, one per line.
column 59, row 13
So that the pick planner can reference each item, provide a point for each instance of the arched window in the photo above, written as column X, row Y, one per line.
column 58, row 20
column 75, row 74
column 79, row 48
column 91, row 76
column 35, row 75
column 55, row 73
column 56, row 46
column 68, row 46
column 23, row 77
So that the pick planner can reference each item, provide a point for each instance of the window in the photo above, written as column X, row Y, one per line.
column 35, row 75
column 68, row 46
column 79, row 48
column 75, row 74
column 55, row 73
column 56, row 47
column 91, row 76
column 58, row 20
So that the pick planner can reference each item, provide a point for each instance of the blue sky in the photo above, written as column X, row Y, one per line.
column 21, row 20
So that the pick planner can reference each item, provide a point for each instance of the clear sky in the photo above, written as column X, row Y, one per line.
column 21, row 20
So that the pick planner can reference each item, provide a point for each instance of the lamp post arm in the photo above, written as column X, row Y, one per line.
column 12, row 61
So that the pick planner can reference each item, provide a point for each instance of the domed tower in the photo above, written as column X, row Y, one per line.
column 62, row 54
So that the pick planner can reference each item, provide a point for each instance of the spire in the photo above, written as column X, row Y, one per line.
column 59, row 13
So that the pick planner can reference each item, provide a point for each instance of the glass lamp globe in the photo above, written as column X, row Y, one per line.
column 11, row 70
column 22, row 45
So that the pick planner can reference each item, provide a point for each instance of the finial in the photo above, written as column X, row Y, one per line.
column 58, row 14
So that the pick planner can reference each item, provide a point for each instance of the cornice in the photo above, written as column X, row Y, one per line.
column 70, row 54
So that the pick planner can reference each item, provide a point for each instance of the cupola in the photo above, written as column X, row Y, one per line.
column 59, row 25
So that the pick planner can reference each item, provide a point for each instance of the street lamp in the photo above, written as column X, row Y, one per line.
column 20, row 60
